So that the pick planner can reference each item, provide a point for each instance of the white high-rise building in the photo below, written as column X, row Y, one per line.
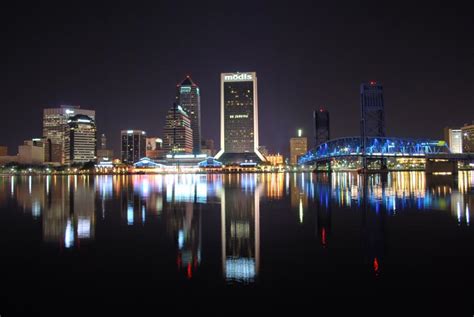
column 239, row 119
column 454, row 139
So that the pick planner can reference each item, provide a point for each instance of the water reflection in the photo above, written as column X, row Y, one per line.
column 240, row 227
column 68, row 209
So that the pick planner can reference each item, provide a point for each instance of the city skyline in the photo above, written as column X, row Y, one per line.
column 300, row 66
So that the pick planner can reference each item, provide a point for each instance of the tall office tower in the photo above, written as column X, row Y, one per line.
column 454, row 139
column 239, row 118
column 55, row 123
column 178, row 135
column 468, row 138
column 298, row 147
column 103, row 142
column 80, row 140
column 133, row 145
column 104, row 154
column 321, row 126
column 188, row 97
column 372, row 113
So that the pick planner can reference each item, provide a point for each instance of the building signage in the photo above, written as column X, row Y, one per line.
column 238, row 77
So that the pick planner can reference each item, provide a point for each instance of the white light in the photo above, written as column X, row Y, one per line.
column 180, row 239
column 68, row 111
column 69, row 235
column 301, row 210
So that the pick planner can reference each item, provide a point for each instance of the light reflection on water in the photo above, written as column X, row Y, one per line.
column 69, row 207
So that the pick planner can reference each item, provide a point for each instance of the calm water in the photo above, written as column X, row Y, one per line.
column 76, row 243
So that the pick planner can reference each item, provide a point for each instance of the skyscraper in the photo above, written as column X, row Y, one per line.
column 454, row 139
column 188, row 97
column 55, row 123
column 239, row 118
column 321, row 126
column 178, row 135
column 298, row 147
column 104, row 154
column 133, row 145
column 372, row 113
column 103, row 142
column 468, row 138
column 80, row 140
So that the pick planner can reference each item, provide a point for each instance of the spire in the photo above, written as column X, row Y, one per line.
column 187, row 82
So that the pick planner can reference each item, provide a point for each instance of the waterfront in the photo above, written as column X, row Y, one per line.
column 138, row 240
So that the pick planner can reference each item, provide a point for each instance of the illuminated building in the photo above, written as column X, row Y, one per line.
column 32, row 152
column 133, row 145
column 55, row 122
column 321, row 126
column 154, row 147
column 372, row 112
column 275, row 159
column 188, row 97
column 3, row 150
column 177, row 135
column 239, row 119
column 80, row 140
column 298, row 147
column 468, row 138
column 453, row 138
column 104, row 154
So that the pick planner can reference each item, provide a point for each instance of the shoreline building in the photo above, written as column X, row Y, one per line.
column 453, row 138
column 55, row 125
column 468, row 138
column 177, row 134
column 239, row 119
column 133, row 145
column 321, row 126
column 80, row 140
column 154, row 148
column 372, row 111
column 298, row 147
column 188, row 97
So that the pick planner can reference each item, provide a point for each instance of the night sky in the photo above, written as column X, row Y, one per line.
column 124, row 60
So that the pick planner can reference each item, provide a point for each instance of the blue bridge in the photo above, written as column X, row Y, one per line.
column 381, row 148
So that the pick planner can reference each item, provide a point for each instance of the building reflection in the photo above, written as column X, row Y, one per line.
column 69, row 213
column 323, row 201
column 240, row 227
column 185, row 195
column 65, row 205
column 300, row 184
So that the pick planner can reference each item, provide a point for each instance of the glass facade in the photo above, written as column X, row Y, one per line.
column 55, row 123
column 188, row 97
column 80, row 140
column 321, row 126
column 372, row 110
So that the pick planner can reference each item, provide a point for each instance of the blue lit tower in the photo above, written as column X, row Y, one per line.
column 372, row 113
column 188, row 97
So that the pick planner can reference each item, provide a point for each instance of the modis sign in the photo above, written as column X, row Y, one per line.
column 238, row 77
